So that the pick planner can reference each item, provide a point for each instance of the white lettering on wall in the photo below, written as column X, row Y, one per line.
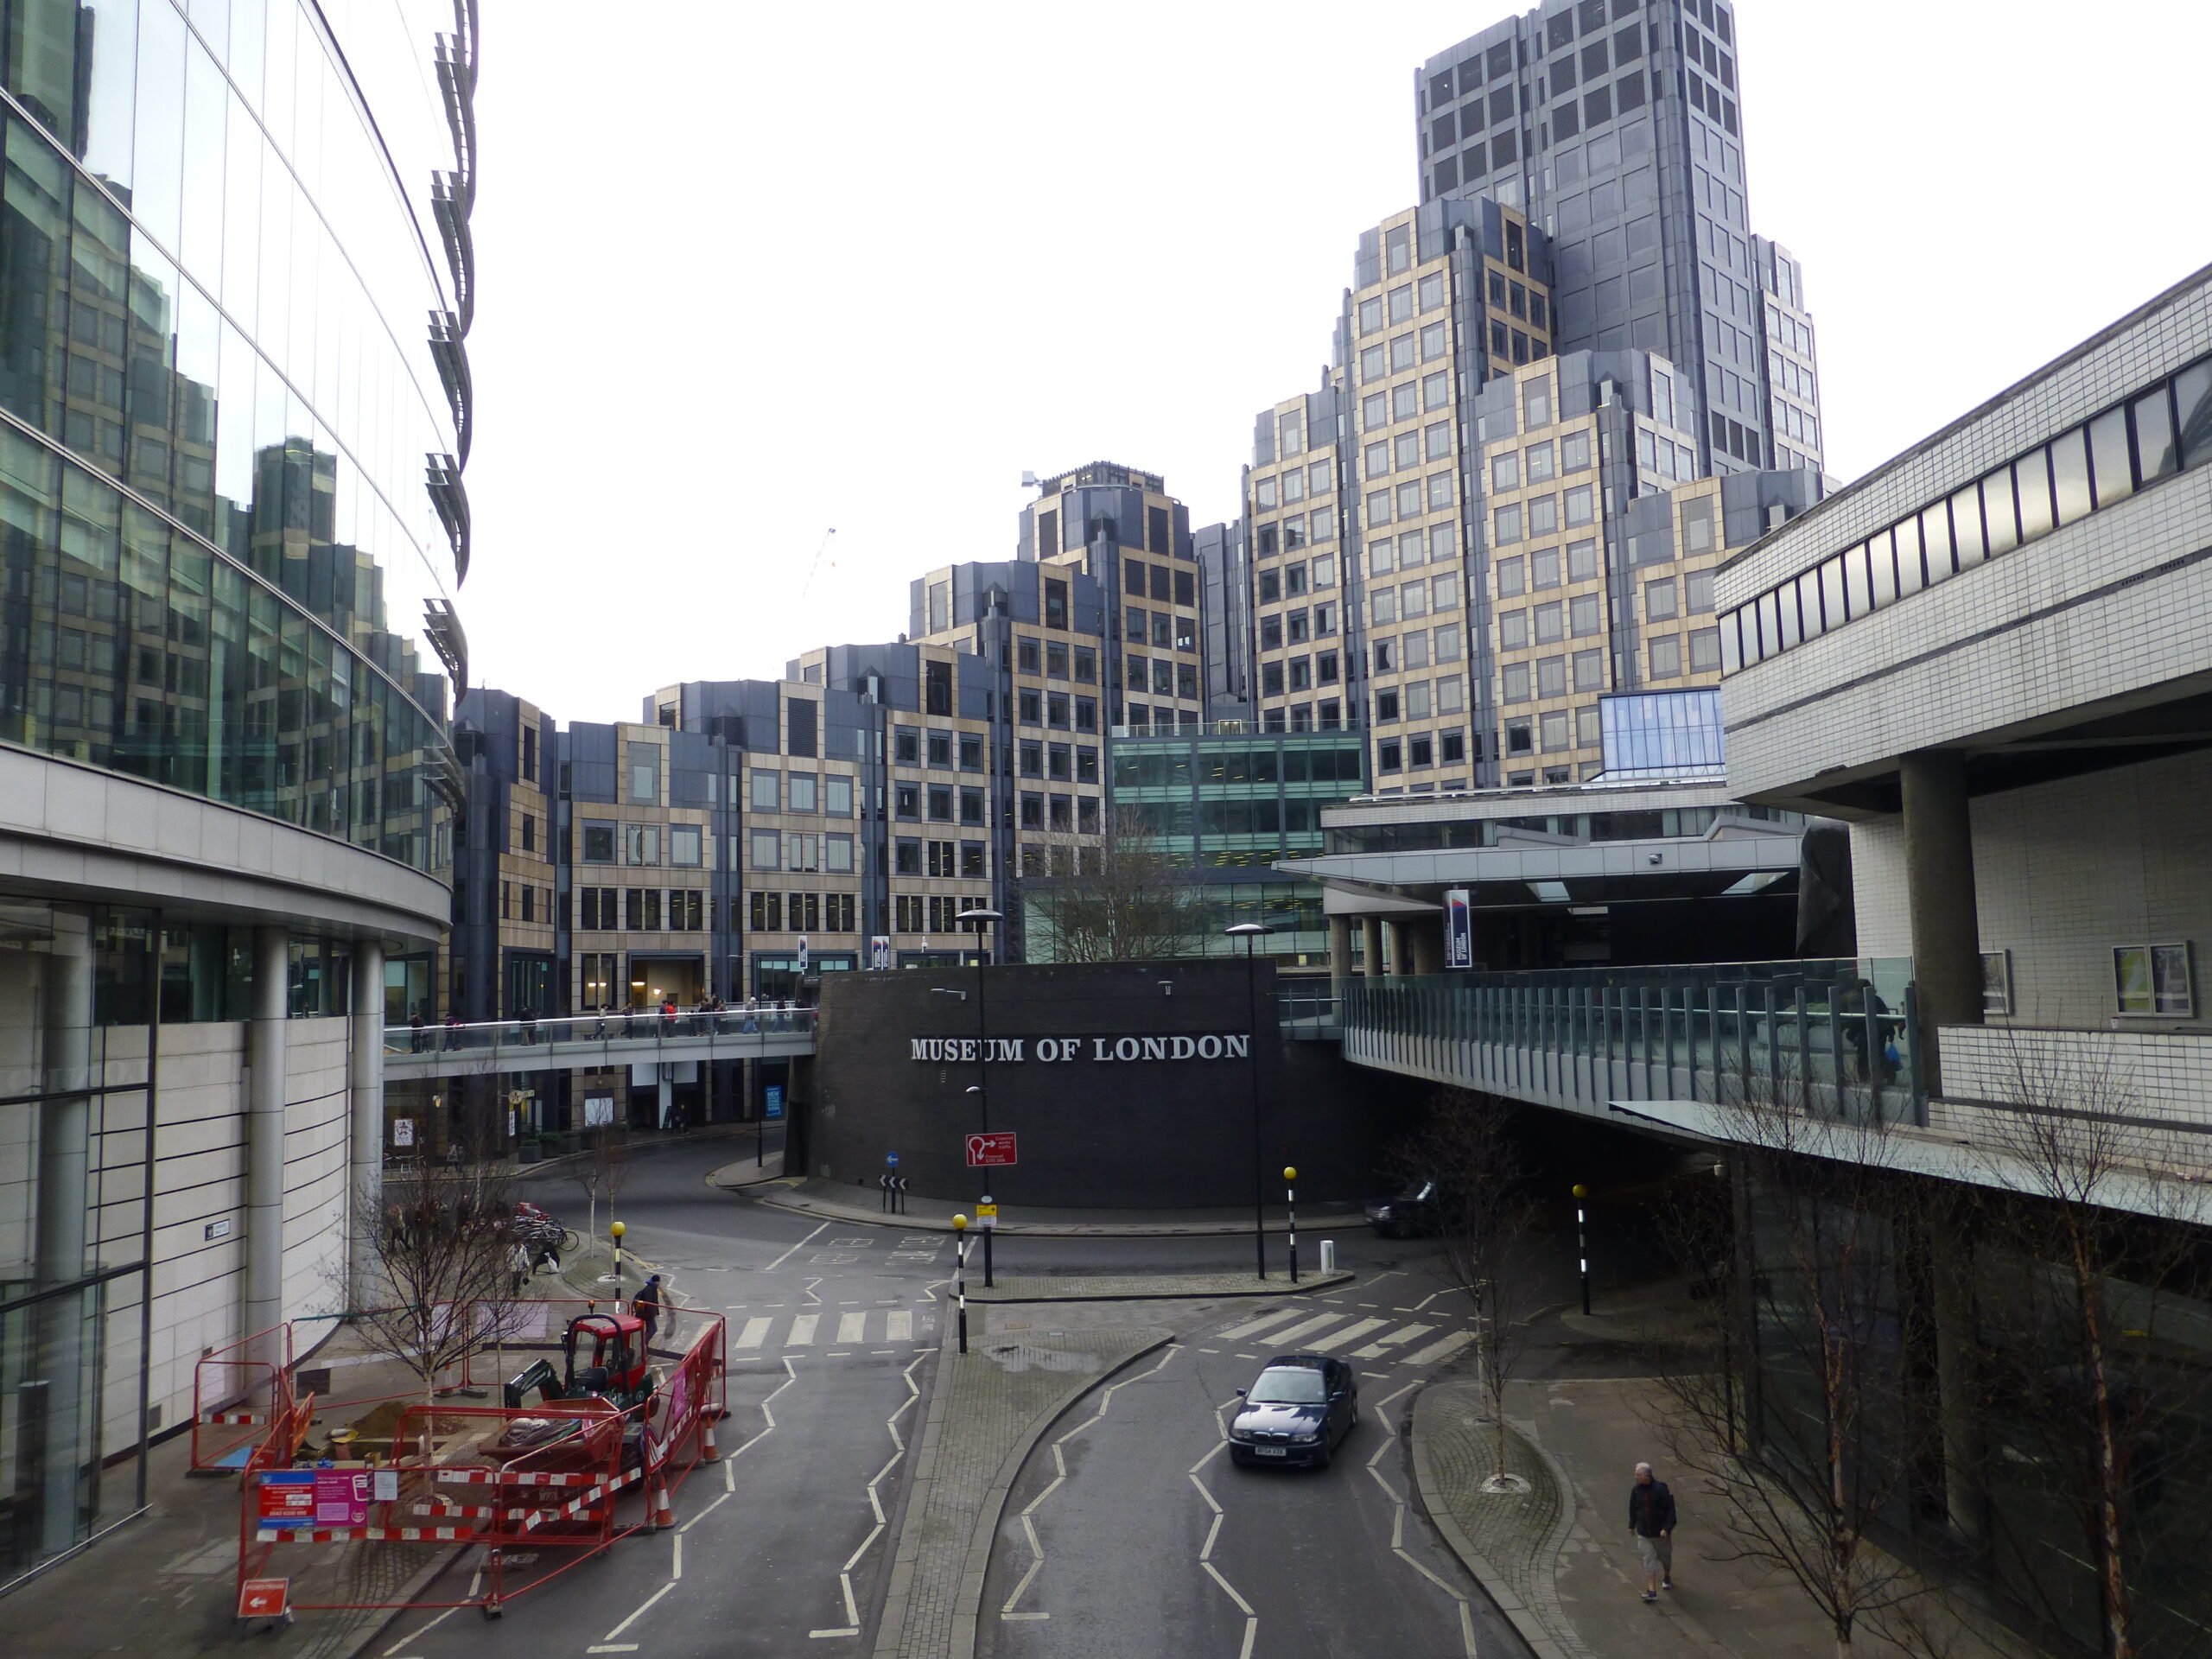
column 1015, row 1051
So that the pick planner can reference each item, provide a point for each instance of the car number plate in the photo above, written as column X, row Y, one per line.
column 1273, row 1450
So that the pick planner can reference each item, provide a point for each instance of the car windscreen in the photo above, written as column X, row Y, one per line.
column 1288, row 1387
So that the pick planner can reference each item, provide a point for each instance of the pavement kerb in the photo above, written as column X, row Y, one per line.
column 375, row 1629
column 1540, row 1641
column 967, row 1612
column 1307, row 1283
column 857, row 1215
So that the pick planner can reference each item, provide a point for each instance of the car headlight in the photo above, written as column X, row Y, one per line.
column 1305, row 1439
column 1236, row 1434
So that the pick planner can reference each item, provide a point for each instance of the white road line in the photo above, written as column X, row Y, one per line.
column 1304, row 1328
column 795, row 1248
column 755, row 1333
column 425, row 1630
column 1443, row 1350
column 613, row 1647
column 1403, row 1334
column 676, row 1563
column 852, row 1327
column 812, row 1294
column 852, row 1630
column 1235, row 1332
column 900, row 1326
column 1398, row 1517
column 644, row 1605
column 1352, row 1332
column 1060, row 1475
column 802, row 1334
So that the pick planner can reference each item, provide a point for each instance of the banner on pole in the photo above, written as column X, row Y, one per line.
column 1458, row 930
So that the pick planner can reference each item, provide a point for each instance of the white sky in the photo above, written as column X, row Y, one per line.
column 748, row 271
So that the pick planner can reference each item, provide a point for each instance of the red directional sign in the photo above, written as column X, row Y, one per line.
column 986, row 1151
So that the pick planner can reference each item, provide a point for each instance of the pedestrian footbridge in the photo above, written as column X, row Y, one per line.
column 1835, row 1035
column 642, row 1038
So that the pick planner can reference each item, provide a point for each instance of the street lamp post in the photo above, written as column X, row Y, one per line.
column 981, row 918
column 615, row 1231
column 1249, row 931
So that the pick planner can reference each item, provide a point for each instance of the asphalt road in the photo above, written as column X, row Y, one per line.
column 1129, row 1533
column 1152, row 1544
column 783, row 1548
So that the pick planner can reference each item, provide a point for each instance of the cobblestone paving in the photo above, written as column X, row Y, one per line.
column 1020, row 1371
column 1516, row 1535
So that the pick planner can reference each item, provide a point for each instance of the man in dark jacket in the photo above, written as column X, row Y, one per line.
column 1651, row 1518
column 646, row 1306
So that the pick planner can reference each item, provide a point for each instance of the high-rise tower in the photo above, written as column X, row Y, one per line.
column 1615, row 124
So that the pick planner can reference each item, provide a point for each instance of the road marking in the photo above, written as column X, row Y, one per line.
column 1303, row 1328
column 812, row 1294
column 642, row 1608
column 425, row 1630
column 850, row 1630
column 1209, row 1351
column 1370, row 1305
column 852, row 1625
column 1352, row 1332
column 676, row 1563
column 1244, row 1356
column 802, row 1334
column 1261, row 1324
column 900, row 1326
column 1059, row 1476
column 1403, row 1334
column 1443, row 1350
column 852, row 1327
column 1398, row 1516
column 613, row 1647
column 755, row 1332
column 794, row 1250
column 1251, row 1619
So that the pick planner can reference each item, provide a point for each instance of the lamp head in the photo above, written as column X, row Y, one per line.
column 960, row 1224
column 618, row 1230
column 1289, row 1173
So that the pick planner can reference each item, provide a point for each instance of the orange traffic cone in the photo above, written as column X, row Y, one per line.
column 708, row 1453
column 663, row 1511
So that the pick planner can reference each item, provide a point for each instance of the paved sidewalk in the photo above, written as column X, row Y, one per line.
column 844, row 1202
column 1558, row 1558
column 986, row 1409
column 1143, row 1287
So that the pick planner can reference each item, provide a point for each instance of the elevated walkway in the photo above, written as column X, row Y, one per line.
column 595, row 1040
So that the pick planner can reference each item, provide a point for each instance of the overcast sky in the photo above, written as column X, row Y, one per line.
column 751, row 271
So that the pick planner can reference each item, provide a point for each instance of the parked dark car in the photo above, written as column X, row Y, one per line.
column 1412, row 1214
column 1297, row 1412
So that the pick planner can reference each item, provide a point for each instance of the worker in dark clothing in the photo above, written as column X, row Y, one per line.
column 646, row 1306
column 1651, row 1519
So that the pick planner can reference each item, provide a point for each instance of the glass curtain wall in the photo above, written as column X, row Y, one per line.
column 76, row 1078
column 216, row 399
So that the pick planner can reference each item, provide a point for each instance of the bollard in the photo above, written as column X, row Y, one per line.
column 960, row 1276
column 1328, row 1255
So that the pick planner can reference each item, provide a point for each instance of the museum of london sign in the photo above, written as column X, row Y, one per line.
column 1016, row 1050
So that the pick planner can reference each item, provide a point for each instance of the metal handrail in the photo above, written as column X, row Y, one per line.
column 616, row 1025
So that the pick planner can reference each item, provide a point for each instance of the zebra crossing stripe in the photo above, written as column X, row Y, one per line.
column 900, row 1326
column 1290, row 1338
column 1403, row 1334
column 852, row 1327
column 1352, row 1332
column 1442, row 1349
column 1237, row 1332
column 755, row 1333
column 802, row 1334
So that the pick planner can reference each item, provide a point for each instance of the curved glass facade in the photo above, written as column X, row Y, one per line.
column 231, row 523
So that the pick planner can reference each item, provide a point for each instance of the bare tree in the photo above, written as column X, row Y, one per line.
column 1806, row 1455
column 2094, row 1271
column 442, row 1240
column 603, row 1169
column 1121, row 897
column 1485, row 1216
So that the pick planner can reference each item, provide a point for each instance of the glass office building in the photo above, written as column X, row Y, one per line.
column 232, row 529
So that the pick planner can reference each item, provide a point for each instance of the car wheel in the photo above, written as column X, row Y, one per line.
column 1355, row 1417
column 1321, row 1457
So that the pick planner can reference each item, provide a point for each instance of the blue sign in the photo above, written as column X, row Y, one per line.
column 1458, row 930
column 891, row 1159
column 775, row 1101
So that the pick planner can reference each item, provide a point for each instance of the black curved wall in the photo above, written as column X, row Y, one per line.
column 1141, row 1133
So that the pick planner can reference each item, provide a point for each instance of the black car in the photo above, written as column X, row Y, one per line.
column 1411, row 1214
column 1300, row 1408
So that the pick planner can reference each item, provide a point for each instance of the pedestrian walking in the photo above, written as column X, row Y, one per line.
column 1651, row 1519
column 415, row 1029
column 646, row 1306
column 518, row 1268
